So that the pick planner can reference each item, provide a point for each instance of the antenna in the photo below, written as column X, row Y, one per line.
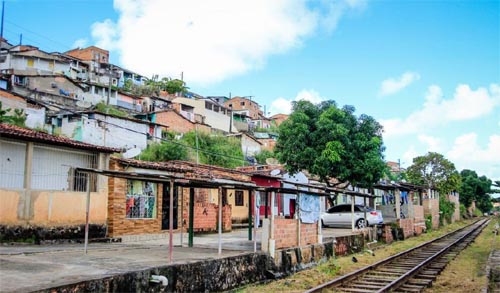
column 130, row 153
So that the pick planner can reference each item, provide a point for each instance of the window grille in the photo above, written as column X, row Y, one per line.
column 12, row 161
column 140, row 200
column 238, row 198
column 53, row 169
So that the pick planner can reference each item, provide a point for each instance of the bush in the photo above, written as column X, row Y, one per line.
column 428, row 223
column 165, row 151
column 463, row 212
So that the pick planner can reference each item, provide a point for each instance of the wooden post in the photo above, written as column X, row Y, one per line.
column 250, row 203
column 220, row 220
column 191, row 217
column 87, row 211
column 352, row 212
column 171, row 221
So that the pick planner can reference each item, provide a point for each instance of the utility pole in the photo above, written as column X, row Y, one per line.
column 109, row 86
column 3, row 10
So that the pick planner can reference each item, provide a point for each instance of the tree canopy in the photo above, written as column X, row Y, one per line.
column 434, row 171
column 332, row 142
column 475, row 188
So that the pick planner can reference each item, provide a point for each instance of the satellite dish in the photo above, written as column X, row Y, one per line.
column 83, row 104
column 272, row 161
column 131, row 153
column 275, row 172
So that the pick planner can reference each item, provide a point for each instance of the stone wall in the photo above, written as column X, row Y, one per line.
column 53, row 234
column 387, row 234
column 220, row 274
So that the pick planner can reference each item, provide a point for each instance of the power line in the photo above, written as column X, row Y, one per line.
column 136, row 131
column 39, row 35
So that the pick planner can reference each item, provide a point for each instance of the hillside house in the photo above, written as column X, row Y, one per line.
column 35, row 114
column 107, row 130
column 217, row 116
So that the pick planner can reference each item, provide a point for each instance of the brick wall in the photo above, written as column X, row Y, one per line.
column 308, row 233
column 175, row 121
column 285, row 233
column 419, row 220
column 118, row 224
column 206, row 215
column 431, row 207
column 455, row 199
column 387, row 234
column 408, row 227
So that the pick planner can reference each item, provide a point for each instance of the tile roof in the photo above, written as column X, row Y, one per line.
column 196, row 170
column 16, row 132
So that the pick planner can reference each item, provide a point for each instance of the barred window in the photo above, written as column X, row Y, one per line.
column 141, row 200
column 238, row 198
column 54, row 169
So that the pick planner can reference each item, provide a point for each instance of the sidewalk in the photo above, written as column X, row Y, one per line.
column 25, row 268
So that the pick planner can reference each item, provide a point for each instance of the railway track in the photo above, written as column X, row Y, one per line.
column 412, row 270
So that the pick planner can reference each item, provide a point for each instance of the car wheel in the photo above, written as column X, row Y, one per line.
column 361, row 223
column 322, row 224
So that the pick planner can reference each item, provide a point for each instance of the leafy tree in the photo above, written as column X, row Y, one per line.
column 18, row 118
column 434, row 171
column 164, row 151
column 332, row 142
column 475, row 188
column 263, row 156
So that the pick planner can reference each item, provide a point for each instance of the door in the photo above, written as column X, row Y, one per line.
column 165, row 215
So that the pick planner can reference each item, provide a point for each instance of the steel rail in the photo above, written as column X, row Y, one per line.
column 399, row 281
column 350, row 276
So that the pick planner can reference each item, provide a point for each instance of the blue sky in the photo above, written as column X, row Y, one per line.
column 429, row 71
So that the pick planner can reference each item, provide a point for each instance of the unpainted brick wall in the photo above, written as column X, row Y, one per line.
column 408, row 227
column 419, row 224
column 431, row 207
column 118, row 224
column 387, row 234
column 285, row 233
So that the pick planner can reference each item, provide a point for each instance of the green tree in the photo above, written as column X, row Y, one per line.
column 263, row 156
column 475, row 188
column 434, row 171
column 18, row 118
column 332, row 142
column 164, row 151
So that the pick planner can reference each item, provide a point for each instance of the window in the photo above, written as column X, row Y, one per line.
column 54, row 169
column 208, row 106
column 216, row 108
column 242, row 103
column 52, row 64
column 238, row 198
column 30, row 62
column 140, row 200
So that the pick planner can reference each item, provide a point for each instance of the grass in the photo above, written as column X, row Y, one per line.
column 335, row 267
column 467, row 272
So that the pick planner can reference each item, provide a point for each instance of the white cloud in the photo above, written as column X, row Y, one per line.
column 284, row 106
column 80, row 43
column 392, row 85
column 409, row 155
column 433, row 144
column 466, row 104
column 466, row 153
column 209, row 40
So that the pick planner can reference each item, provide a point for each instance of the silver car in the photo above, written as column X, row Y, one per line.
column 340, row 216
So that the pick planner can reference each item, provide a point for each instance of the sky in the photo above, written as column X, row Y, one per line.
column 428, row 71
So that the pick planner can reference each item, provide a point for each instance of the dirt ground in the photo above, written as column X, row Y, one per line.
column 310, row 278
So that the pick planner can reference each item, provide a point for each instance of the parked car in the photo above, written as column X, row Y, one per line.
column 340, row 216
